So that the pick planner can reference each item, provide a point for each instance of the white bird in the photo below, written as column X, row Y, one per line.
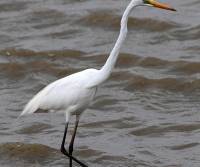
column 74, row 93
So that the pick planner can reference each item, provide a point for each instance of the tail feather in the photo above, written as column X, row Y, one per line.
column 32, row 106
column 37, row 101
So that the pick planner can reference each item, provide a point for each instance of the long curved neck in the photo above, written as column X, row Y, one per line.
column 106, row 70
column 111, row 61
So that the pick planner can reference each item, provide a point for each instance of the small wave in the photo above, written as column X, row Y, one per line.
column 31, row 53
column 185, row 67
column 193, row 49
column 153, row 62
column 13, row 6
column 34, row 129
column 105, row 19
column 171, row 84
column 159, row 130
column 187, row 34
column 17, row 70
column 127, row 122
column 183, row 146
column 111, row 158
column 45, row 18
column 105, row 103
column 20, row 70
column 86, row 152
column 66, row 34
column 20, row 63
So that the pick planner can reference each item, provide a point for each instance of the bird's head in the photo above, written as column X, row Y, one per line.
column 154, row 3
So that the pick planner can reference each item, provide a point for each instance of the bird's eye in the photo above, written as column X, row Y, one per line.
column 146, row 2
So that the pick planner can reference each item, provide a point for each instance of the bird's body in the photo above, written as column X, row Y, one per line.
column 71, row 94
column 74, row 93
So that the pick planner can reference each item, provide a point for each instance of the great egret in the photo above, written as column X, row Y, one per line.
column 73, row 94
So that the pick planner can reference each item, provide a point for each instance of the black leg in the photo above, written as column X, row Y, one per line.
column 62, row 149
column 71, row 145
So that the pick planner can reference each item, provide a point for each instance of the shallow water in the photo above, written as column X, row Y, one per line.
column 145, row 115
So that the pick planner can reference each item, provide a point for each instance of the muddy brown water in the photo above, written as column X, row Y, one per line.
column 145, row 115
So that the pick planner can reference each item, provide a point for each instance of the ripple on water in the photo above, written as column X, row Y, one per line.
column 86, row 152
column 122, row 123
column 107, row 137
column 138, row 82
column 11, row 7
column 34, row 129
column 183, row 146
column 35, row 54
column 187, row 34
column 106, row 20
column 19, row 63
column 49, row 18
column 160, row 130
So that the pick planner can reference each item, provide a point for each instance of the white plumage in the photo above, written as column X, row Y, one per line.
column 70, row 94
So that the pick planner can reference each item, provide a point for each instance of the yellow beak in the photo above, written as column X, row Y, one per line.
column 160, row 5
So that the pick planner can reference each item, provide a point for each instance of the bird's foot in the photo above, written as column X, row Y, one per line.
column 63, row 150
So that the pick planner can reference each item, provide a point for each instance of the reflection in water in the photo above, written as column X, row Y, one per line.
column 147, row 114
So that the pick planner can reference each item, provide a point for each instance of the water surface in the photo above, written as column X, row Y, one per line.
column 145, row 115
